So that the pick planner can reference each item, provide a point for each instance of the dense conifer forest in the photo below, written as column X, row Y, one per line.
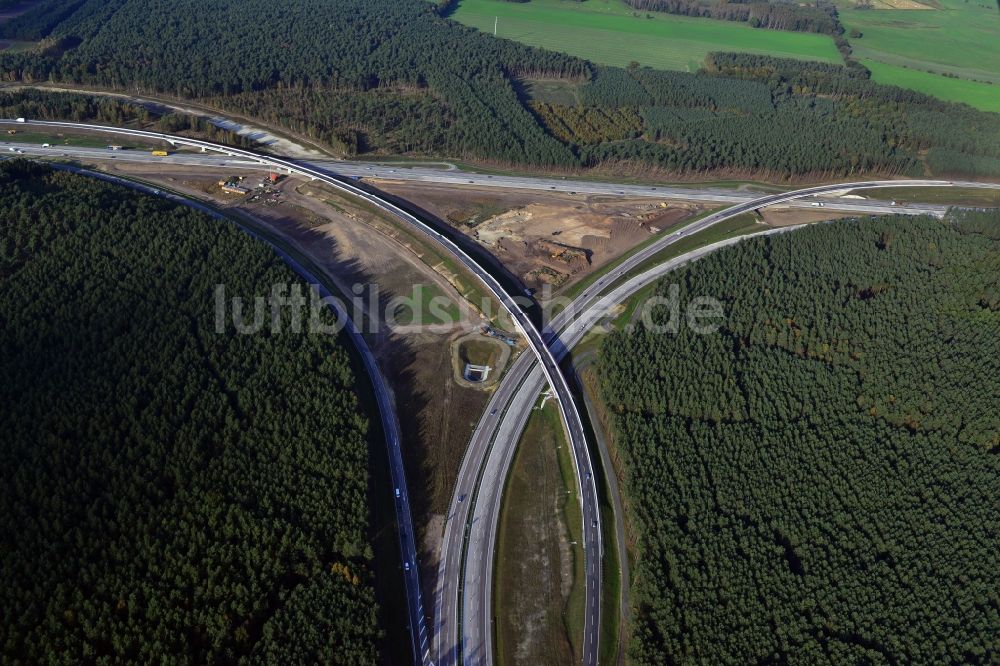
column 394, row 76
column 170, row 493
column 814, row 482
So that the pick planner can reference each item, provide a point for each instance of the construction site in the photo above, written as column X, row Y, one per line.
column 550, row 239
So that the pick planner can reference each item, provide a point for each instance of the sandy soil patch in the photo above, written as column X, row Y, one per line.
column 778, row 216
column 546, row 238
column 901, row 4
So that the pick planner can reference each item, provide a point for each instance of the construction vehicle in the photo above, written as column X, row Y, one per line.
column 160, row 153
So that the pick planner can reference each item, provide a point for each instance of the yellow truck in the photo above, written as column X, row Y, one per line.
column 160, row 153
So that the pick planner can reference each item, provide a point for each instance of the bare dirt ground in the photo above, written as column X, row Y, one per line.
column 436, row 415
column 778, row 216
column 546, row 238
column 902, row 4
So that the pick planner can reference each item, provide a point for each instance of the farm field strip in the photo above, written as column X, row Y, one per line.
column 960, row 38
column 607, row 32
column 982, row 96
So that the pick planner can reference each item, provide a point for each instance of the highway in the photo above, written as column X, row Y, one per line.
column 568, row 409
column 438, row 176
column 464, row 606
column 470, row 534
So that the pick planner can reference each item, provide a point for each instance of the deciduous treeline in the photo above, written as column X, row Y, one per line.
column 819, row 16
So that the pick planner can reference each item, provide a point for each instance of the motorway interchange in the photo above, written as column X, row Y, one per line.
column 462, row 628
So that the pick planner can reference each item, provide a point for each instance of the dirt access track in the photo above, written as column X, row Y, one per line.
column 784, row 216
column 545, row 238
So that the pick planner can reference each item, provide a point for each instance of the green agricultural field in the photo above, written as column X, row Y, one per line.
column 608, row 32
column 985, row 96
column 960, row 38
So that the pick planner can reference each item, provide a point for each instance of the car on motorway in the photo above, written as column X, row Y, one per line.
column 493, row 411
column 406, row 566
column 397, row 493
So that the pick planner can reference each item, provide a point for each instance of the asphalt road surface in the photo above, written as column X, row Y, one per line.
column 442, row 176
column 418, row 626
column 553, row 374
column 449, row 644
column 464, row 609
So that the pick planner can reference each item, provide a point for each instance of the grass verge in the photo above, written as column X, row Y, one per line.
column 539, row 599
column 78, row 141
column 957, row 196
column 741, row 225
